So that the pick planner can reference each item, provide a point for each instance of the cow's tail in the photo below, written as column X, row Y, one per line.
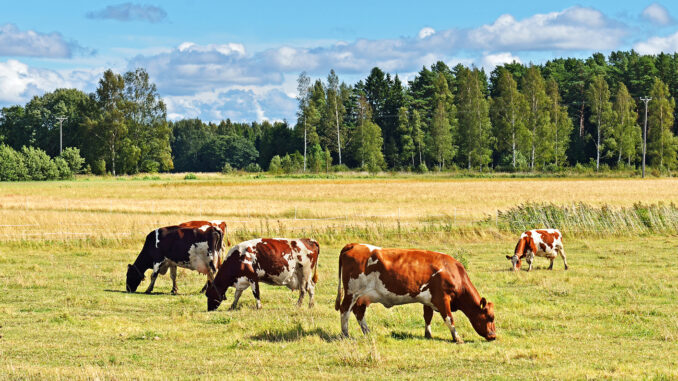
column 337, row 302
column 315, row 274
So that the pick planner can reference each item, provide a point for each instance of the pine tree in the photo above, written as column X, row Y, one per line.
column 418, row 136
column 303, row 83
column 406, row 141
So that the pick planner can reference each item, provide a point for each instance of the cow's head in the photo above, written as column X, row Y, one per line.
column 483, row 321
column 214, row 296
column 522, row 247
column 134, row 277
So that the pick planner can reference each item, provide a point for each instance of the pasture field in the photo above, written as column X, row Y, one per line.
column 64, row 315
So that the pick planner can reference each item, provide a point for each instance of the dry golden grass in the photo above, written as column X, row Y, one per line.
column 126, row 207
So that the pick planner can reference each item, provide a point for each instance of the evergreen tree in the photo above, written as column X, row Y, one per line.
column 303, row 82
column 367, row 140
column 406, row 142
column 418, row 136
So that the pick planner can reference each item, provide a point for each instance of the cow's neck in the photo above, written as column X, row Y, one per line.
column 143, row 262
column 468, row 301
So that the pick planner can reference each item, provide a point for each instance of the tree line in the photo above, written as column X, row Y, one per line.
column 565, row 112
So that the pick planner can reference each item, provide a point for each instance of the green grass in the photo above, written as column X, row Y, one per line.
column 63, row 315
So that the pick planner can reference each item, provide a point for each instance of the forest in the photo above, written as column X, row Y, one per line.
column 567, row 112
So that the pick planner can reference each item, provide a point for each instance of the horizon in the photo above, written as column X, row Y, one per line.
column 216, row 61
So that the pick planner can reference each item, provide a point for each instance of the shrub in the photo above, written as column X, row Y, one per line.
column 63, row 169
column 275, row 166
column 253, row 168
column 422, row 168
column 150, row 166
column 190, row 176
column 39, row 165
column 99, row 167
column 72, row 157
column 341, row 168
column 226, row 169
column 12, row 167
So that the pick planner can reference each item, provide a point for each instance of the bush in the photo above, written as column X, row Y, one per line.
column 99, row 167
column 150, row 166
column 275, row 166
column 190, row 176
column 72, row 157
column 422, row 168
column 12, row 167
column 63, row 168
column 341, row 168
column 226, row 169
column 39, row 165
column 252, row 168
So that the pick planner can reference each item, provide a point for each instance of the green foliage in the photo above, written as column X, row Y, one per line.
column 227, row 168
column 99, row 167
column 275, row 166
column 235, row 150
column 253, row 168
column 72, row 157
column 39, row 165
column 662, row 144
column 190, row 176
column 12, row 166
column 63, row 169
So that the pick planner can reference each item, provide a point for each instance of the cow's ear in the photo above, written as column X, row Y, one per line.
column 508, row 257
column 483, row 303
column 129, row 266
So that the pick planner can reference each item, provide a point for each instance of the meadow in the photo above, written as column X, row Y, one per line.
column 64, row 247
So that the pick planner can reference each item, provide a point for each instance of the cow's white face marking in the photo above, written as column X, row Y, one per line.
column 371, row 261
column 371, row 247
column 199, row 257
column 157, row 239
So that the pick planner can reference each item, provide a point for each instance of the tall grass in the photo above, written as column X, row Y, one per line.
column 585, row 219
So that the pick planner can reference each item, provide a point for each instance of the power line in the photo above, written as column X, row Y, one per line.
column 646, row 99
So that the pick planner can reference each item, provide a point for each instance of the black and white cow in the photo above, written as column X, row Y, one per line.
column 172, row 246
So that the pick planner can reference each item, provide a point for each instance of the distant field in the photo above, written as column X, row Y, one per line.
column 63, row 314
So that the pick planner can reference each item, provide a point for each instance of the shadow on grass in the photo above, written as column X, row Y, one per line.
column 399, row 335
column 294, row 334
column 138, row 293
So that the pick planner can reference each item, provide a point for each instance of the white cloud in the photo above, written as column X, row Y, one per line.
column 130, row 12
column 574, row 28
column 17, row 43
column 490, row 61
column 657, row 15
column 425, row 32
column 20, row 82
column 656, row 45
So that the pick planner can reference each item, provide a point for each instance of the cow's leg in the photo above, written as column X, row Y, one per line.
column 238, row 292
column 428, row 315
column 551, row 265
column 157, row 267
column 442, row 304
column 359, row 312
column 302, row 292
column 255, row 291
column 561, row 251
column 310, row 288
column 345, row 311
column 173, row 275
column 529, row 259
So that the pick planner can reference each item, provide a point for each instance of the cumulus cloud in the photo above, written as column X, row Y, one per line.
column 17, row 43
column 490, row 61
column 657, row 15
column 130, row 12
column 575, row 28
column 425, row 32
column 19, row 82
column 656, row 45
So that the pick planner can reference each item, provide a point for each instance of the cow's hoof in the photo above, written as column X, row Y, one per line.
column 174, row 292
column 458, row 340
column 147, row 292
column 427, row 335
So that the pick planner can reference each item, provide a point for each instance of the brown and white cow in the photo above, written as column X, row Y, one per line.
column 171, row 246
column 277, row 261
column 540, row 242
column 221, row 225
column 370, row 274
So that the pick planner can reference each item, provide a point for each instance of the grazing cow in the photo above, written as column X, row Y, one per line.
column 540, row 242
column 172, row 246
column 221, row 225
column 392, row 277
column 276, row 261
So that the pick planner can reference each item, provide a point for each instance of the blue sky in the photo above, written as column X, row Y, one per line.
column 239, row 60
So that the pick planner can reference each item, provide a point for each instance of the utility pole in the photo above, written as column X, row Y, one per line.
column 646, row 99
column 61, row 138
